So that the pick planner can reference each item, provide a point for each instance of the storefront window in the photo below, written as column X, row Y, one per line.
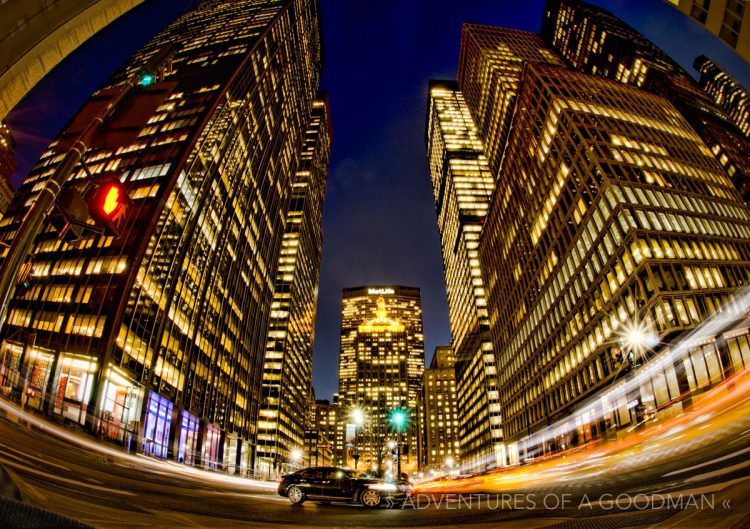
column 211, row 446
column 10, row 355
column 37, row 365
column 188, row 438
column 74, row 386
column 158, row 421
column 120, row 406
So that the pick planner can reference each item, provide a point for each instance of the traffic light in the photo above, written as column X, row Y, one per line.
column 107, row 204
column 399, row 419
column 70, row 214
column 147, row 79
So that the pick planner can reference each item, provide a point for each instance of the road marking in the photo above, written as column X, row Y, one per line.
column 719, row 472
column 24, row 456
column 66, row 480
column 717, row 460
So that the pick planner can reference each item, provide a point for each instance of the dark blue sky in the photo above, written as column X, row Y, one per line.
column 379, row 222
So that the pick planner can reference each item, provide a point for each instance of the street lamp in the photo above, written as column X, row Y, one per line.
column 358, row 416
column 637, row 338
column 295, row 456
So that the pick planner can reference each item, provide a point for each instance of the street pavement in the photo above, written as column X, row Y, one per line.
column 694, row 472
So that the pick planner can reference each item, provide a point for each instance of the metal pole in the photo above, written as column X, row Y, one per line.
column 38, row 211
column 398, row 454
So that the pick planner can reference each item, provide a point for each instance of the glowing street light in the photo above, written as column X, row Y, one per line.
column 358, row 417
column 399, row 419
column 295, row 455
column 637, row 337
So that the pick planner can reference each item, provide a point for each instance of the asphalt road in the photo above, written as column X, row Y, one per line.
column 701, row 484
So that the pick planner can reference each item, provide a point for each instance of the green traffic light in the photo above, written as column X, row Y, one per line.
column 147, row 79
column 399, row 419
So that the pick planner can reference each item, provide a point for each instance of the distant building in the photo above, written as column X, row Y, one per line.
column 440, row 413
column 726, row 91
column 320, row 436
column 38, row 34
column 727, row 19
column 380, row 371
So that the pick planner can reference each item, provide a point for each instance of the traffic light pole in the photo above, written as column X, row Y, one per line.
column 32, row 221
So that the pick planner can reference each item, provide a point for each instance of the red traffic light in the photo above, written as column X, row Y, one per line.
column 108, row 204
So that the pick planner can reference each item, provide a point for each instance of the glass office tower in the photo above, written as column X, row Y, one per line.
column 156, row 339
column 287, row 368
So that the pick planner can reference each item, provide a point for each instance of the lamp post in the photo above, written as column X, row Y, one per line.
column 399, row 419
column 358, row 417
column 637, row 339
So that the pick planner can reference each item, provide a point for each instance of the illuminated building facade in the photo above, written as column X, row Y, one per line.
column 440, row 413
column 156, row 339
column 380, row 370
column 38, row 34
column 726, row 91
column 462, row 184
column 287, row 367
column 320, row 436
column 727, row 19
column 489, row 71
column 618, row 216
column 592, row 40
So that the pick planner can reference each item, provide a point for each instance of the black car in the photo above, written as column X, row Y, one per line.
column 328, row 484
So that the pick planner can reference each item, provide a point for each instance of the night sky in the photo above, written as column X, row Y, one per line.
column 379, row 222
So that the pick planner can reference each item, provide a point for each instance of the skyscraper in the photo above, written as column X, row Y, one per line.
column 287, row 368
column 380, row 374
column 592, row 40
column 727, row 19
column 462, row 184
column 726, row 91
column 159, row 335
column 38, row 34
column 612, row 215
column 619, row 217
column 489, row 71
column 440, row 412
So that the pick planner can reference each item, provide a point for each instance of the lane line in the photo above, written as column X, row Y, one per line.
column 25, row 456
column 30, row 470
column 711, row 462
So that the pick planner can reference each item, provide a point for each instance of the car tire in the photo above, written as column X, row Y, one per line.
column 370, row 498
column 295, row 495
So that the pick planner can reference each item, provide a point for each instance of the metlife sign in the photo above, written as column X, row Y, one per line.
column 380, row 291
